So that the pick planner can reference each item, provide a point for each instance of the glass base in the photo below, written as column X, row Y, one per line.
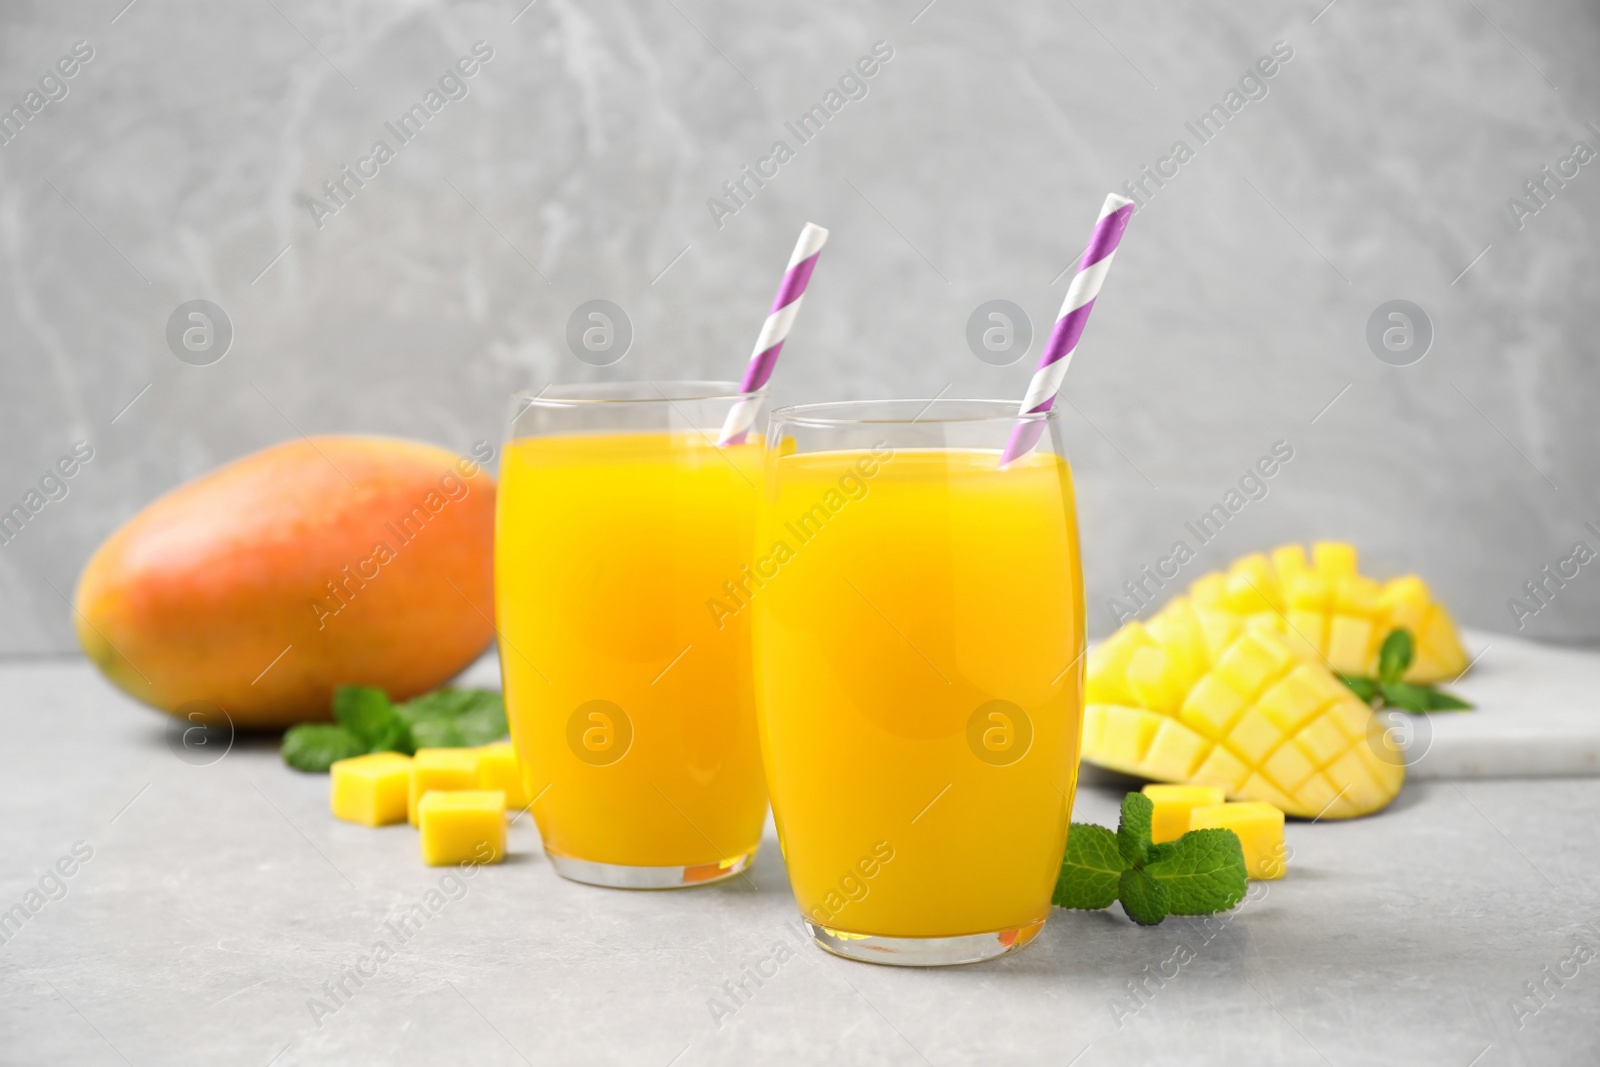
column 922, row 951
column 619, row 876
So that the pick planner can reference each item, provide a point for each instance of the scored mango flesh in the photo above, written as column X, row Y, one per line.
column 1343, row 615
column 1210, row 697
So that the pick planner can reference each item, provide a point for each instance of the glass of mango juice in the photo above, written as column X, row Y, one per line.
column 918, row 646
column 619, row 521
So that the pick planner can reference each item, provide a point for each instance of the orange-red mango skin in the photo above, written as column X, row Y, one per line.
column 200, row 594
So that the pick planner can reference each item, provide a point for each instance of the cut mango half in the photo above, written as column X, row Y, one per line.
column 1206, row 696
column 1326, row 603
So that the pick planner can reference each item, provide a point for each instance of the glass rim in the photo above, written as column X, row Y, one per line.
column 594, row 394
column 820, row 414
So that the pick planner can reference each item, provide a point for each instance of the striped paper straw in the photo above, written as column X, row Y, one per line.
column 1092, row 271
column 785, row 306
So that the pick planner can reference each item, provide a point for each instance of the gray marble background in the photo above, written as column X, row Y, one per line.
column 1378, row 166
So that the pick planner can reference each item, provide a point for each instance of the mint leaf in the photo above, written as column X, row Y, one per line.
column 316, row 746
column 483, row 726
column 1143, row 898
column 1133, row 832
column 1439, row 700
column 1202, row 873
column 1365, row 688
column 1420, row 699
column 448, row 703
column 366, row 712
column 1159, row 852
column 1406, row 697
column 1090, row 869
column 463, row 731
column 368, row 722
column 1395, row 655
column 455, row 718
column 437, row 733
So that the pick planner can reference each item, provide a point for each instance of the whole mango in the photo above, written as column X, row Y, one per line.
column 321, row 562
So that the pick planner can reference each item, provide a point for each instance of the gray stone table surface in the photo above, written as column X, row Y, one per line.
column 216, row 901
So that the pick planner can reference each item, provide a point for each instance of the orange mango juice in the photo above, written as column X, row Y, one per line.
column 630, row 703
column 918, row 664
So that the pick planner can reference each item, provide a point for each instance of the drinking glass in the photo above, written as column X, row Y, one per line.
column 621, row 529
column 918, row 643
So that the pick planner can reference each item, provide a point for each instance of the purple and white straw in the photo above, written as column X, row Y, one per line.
column 1092, row 271
column 779, row 322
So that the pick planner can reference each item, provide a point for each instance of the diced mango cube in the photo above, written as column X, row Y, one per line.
column 1288, row 767
column 1349, row 644
column 1404, row 600
column 1293, row 699
column 1094, row 720
column 1210, row 590
column 1354, row 778
column 1106, row 680
column 1351, row 716
column 463, row 826
column 1260, row 830
column 1253, row 736
column 1389, row 775
column 1308, row 630
column 1250, row 662
column 441, row 769
column 1219, row 628
column 498, row 768
column 1247, row 584
column 1126, row 733
column 1357, row 594
column 1211, row 707
column 1178, row 633
column 1260, row 788
column 1426, row 663
column 1321, row 741
column 1318, row 795
column 1155, row 680
column 370, row 790
column 1174, row 752
column 1439, row 638
column 1334, row 559
column 1266, row 622
column 1309, row 592
column 1289, row 563
column 1222, row 769
column 1333, row 690
column 1172, row 806
column 1408, row 590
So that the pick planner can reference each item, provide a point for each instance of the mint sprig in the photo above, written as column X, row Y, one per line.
column 316, row 746
column 365, row 712
column 1133, row 830
column 367, row 721
column 1143, row 898
column 1388, row 691
column 1200, row 873
column 1090, row 870
column 455, row 718
column 1203, row 873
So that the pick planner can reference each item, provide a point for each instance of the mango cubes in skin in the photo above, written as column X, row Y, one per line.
column 1260, row 830
column 1173, row 803
column 465, row 826
column 1341, row 614
column 441, row 769
column 498, row 769
column 371, row 790
column 1200, row 696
